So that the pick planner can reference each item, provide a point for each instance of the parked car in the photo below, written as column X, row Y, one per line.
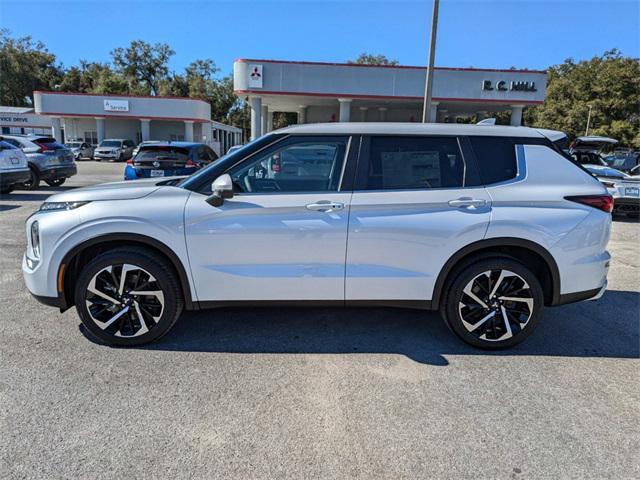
column 146, row 142
column 114, row 149
column 587, row 150
column 169, row 159
column 48, row 160
column 14, row 169
column 623, row 161
column 624, row 189
column 486, row 224
column 80, row 149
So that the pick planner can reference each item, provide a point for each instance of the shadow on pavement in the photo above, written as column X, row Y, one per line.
column 607, row 328
column 5, row 208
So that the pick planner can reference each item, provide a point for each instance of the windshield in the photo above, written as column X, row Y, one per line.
column 110, row 143
column 162, row 153
column 606, row 172
column 621, row 162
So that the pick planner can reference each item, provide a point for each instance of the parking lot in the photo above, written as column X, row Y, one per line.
column 317, row 393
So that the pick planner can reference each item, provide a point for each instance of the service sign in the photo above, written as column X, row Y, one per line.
column 116, row 105
column 255, row 76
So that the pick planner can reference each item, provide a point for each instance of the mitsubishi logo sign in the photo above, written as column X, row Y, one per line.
column 255, row 76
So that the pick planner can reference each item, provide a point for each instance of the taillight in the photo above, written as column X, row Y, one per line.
column 130, row 161
column 601, row 202
column 43, row 147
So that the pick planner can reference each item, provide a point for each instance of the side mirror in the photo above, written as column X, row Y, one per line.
column 221, row 188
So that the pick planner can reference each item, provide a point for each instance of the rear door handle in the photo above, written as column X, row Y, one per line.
column 325, row 206
column 467, row 202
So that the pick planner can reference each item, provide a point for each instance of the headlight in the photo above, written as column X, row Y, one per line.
column 35, row 239
column 52, row 206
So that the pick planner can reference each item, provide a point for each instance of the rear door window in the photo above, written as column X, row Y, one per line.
column 402, row 163
column 496, row 158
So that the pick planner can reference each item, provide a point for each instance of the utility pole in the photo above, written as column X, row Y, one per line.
column 588, row 121
column 428, row 86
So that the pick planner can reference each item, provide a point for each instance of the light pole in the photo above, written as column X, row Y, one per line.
column 588, row 121
column 428, row 86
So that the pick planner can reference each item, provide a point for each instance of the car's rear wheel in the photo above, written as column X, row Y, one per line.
column 493, row 303
column 34, row 180
column 7, row 189
column 128, row 297
column 56, row 182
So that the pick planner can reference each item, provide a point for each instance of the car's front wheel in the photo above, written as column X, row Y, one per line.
column 128, row 296
column 493, row 303
column 56, row 182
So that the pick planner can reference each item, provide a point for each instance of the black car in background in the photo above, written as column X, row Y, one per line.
column 166, row 159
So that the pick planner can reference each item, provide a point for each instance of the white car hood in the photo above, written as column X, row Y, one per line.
column 128, row 190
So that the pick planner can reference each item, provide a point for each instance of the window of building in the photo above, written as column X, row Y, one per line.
column 91, row 137
column 177, row 138
column 301, row 166
column 397, row 163
column 496, row 158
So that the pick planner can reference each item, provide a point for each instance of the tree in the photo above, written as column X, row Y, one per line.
column 143, row 65
column 610, row 84
column 369, row 59
column 25, row 66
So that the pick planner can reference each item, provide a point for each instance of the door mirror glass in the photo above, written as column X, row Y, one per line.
column 221, row 188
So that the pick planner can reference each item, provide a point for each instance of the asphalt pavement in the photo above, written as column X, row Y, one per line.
column 317, row 393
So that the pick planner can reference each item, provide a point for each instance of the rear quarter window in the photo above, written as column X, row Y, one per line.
column 496, row 158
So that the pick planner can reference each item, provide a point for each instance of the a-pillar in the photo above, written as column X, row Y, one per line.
column 188, row 131
column 100, row 129
column 516, row 115
column 345, row 109
column 256, row 117
column 302, row 114
column 145, row 129
column 264, row 119
column 433, row 113
column 363, row 114
column 383, row 113
column 56, row 129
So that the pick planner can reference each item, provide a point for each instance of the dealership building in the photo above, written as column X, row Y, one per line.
column 338, row 92
column 92, row 118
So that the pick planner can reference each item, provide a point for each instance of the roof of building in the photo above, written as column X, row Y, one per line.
column 386, row 128
column 4, row 109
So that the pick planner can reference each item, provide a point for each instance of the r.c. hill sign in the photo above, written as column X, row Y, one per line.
column 504, row 86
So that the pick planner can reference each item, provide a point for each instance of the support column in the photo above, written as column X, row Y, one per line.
column 264, row 119
column 363, row 114
column 433, row 113
column 100, row 129
column 269, row 124
column 345, row 109
column 302, row 114
column 383, row 113
column 56, row 129
column 516, row 115
column 206, row 132
column 145, row 129
column 188, row 131
column 256, row 117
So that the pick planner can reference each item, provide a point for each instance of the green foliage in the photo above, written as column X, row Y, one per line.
column 610, row 84
column 143, row 65
column 370, row 59
column 25, row 66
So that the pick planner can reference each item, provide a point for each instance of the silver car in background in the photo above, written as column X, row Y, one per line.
column 624, row 189
column 80, row 149
column 115, row 149
column 48, row 160
column 14, row 169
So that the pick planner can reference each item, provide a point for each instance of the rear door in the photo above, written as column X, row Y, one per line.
column 417, row 200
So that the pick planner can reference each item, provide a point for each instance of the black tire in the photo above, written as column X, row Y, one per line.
column 34, row 181
column 121, row 157
column 7, row 189
column 128, row 325
column 56, row 182
column 490, row 322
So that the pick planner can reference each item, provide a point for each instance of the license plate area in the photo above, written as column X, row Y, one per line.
column 157, row 173
column 632, row 191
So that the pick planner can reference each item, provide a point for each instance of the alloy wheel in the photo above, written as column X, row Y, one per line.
column 124, row 300
column 496, row 305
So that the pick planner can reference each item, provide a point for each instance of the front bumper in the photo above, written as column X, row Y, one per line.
column 106, row 156
column 61, row 171
column 14, row 177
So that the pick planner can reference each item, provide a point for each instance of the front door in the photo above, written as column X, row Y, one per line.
column 414, row 205
column 283, row 235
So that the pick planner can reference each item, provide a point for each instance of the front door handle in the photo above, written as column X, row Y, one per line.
column 467, row 202
column 325, row 206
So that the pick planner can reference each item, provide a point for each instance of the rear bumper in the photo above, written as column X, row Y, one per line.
column 132, row 173
column 14, row 177
column 62, row 171
column 626, row 205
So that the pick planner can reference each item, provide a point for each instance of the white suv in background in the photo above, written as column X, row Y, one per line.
column 485, row 224
column 14, row 169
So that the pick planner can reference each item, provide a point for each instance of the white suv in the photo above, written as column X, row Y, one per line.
column 485, row 224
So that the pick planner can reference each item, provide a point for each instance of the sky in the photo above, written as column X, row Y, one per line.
column 531, row 34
